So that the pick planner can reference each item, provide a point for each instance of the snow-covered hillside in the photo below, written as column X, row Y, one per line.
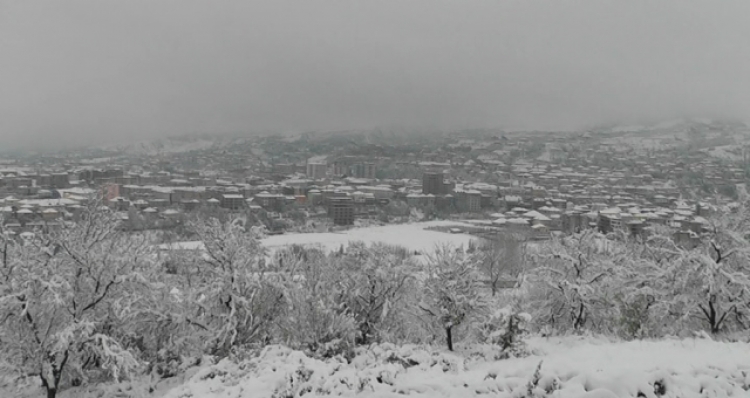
column 170, row 146
column 570, row 367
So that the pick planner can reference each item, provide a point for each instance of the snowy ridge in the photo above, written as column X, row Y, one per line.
column 672, row 126
column 570, row 368
column 164, row 146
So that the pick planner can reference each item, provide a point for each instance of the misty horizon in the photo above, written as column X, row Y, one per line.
column 97, row 72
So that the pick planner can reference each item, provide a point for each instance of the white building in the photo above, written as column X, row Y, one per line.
column 316, row 170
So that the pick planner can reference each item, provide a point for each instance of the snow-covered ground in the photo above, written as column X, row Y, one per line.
column 414, row 237
column 570, row 368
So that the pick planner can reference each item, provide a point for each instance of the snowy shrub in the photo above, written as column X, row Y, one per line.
column 375, row 279
column 316, row 318
column 540, row 386
column 287, row 258
column 167, row 363
column 636, row 316
column 506, row 328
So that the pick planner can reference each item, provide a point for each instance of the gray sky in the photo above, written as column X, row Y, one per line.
column 100, row 70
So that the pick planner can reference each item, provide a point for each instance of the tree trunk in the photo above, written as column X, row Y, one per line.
column 449, row 337
column 579, row 321
column 712, row 318
column 364, row 334
column 51, row 391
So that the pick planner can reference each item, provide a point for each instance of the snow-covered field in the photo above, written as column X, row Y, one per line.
column 570, row 368
column 414, row 237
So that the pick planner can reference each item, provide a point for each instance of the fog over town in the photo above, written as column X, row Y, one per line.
column 278, row 199
column 82, row 71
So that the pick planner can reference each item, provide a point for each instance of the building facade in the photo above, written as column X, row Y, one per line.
column 432, row 183
column 364, row 170
column 341, row 210
column 317, row 171
column 232, row 201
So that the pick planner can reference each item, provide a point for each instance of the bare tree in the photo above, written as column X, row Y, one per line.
column 709, row 282
column 500, row 258
column 575, row 276
column 232, row 290
column 375, row 279
column 451, row 290
column 63, row 293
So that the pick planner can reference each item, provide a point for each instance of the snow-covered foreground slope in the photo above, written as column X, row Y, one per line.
column 570, row 367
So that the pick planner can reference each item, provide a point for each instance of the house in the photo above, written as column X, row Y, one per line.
column 636, row 227
column 540, row 232
column 190, row 204
column 470, row 201
column 170, row 214
column 269, row 201
column 232, row 201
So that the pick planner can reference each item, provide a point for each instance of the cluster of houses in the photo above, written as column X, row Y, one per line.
column 566, row 200
column 688, row 221
column 543, row 183
column 20, row 215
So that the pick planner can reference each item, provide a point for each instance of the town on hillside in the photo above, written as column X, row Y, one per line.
column 533, row 184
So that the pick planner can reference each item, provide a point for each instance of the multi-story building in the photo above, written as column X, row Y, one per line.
column 181, row 194
column 283, row 168
column 341, row 210
column 232, row 201
column 342, row 165
column 574, row 222
column 317, row 171
column 432, row 183
column 60, row 180
column 269, row 201
column 364, row 170
column 17, row 182
column 44, row 180
column 97, row 175
column 473, row 200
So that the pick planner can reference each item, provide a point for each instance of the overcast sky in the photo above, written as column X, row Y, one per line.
column 98, row 70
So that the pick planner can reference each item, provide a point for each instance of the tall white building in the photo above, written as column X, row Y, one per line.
column 316, row 171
